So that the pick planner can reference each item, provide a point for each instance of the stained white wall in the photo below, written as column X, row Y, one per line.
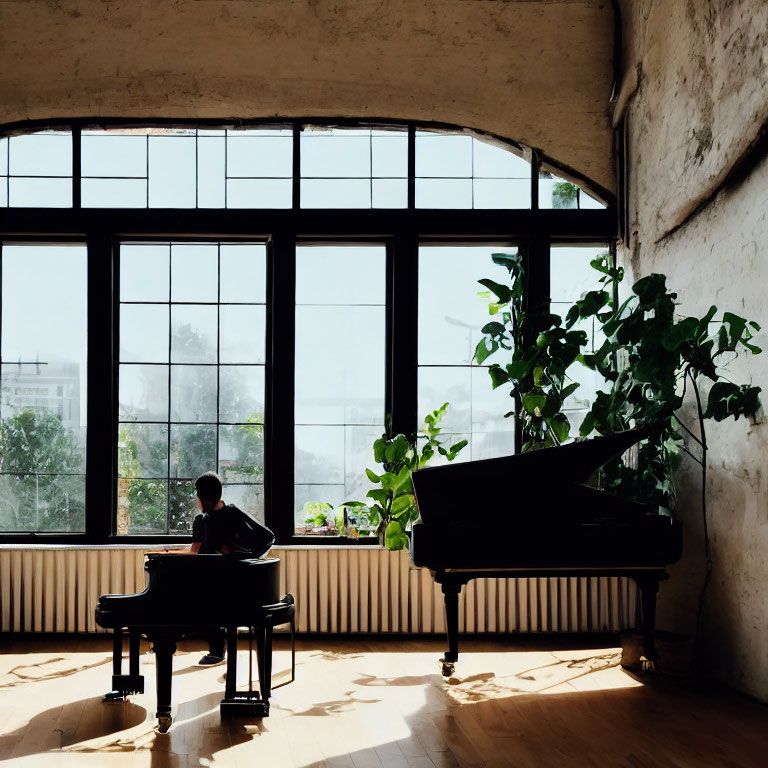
column 536, row 71
column 700, row 105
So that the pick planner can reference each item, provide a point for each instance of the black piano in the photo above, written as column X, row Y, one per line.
column 189, row 592
column 531, row 515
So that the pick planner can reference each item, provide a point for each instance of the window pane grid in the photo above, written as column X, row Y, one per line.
column 339, row 393
column 451, row 315
column 363, row 168
column 43, row 395
column 460, row 171
column 36, row 170
column 213, row 168
column 207, row 419
column 482, row 188
column 247, row 168
column 186, row 168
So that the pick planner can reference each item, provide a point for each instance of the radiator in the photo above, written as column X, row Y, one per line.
column 337, row 589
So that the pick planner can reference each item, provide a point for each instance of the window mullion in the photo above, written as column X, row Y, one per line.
column 279, row 411
column 411, row 167
column 101, row 443
column 402, row 346
column 76, row 166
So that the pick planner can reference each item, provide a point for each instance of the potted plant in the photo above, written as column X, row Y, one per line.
column 392, row 506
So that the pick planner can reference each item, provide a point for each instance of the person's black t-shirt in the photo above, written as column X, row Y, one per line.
column 233, row 528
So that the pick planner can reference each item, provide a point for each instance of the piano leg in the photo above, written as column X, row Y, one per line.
column 451, row 592
column 134, row 640
column 264, row 662
column 164, row 647
column 125, row 685
column 231, row 684
column 649, row 587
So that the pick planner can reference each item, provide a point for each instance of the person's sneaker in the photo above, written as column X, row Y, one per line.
column 209, row 660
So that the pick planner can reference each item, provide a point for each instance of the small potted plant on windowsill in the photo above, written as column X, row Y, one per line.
column 392, row 506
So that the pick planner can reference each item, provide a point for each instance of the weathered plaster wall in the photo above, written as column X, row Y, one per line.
column 701, row 103
column 538, row 71
column 702, row 69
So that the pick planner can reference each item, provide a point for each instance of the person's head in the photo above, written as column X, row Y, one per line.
column 208, row 487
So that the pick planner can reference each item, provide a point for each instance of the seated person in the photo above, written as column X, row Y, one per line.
column 224, row 528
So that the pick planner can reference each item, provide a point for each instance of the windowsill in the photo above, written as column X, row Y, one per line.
column 155, row 547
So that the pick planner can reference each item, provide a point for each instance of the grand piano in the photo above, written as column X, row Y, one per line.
column 188, row 592
column 553, row 525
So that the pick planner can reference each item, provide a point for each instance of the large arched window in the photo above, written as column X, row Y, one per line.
column 259, row 299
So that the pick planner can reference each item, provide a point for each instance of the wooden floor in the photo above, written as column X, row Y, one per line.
column 376, row 703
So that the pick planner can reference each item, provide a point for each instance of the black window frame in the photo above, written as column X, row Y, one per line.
column 401, row 230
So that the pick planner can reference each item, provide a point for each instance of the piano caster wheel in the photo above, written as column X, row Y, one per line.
column 447, row 668
column 164, row 723
column 647, row 666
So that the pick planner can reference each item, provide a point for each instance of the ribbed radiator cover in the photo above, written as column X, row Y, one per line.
column 337, row 589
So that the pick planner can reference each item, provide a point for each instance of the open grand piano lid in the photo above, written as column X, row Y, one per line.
column 519, row 483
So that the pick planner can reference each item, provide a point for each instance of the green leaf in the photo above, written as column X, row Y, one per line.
column 518, row 369
column 576, row 338
column 551, row 405
column 645, row 370
column 456, row 448
column 484, row 349
column 394, row 536
column 592, row 302
column 512, row 261
column 372, row 476
column 402, row 503
column 588, row 424
column 650, row 288
column 533, row 401
column 572, row 316
column 736, row 326
column 702, row 329
column 498, row 376
column 395, row 451
column 683, row 331
column 569, row 390
column 379, row 447
column 549, row 320
column 728, row 399
column 493, row 329
column 722, row 339
column 560, row 425
column 378, row 494
column 503, row 292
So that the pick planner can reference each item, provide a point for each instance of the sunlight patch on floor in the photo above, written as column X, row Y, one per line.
column 525, row 673
column 341, row 698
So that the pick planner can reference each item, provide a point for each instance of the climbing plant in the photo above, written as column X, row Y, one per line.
column 538, row 352
column 649, row 359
